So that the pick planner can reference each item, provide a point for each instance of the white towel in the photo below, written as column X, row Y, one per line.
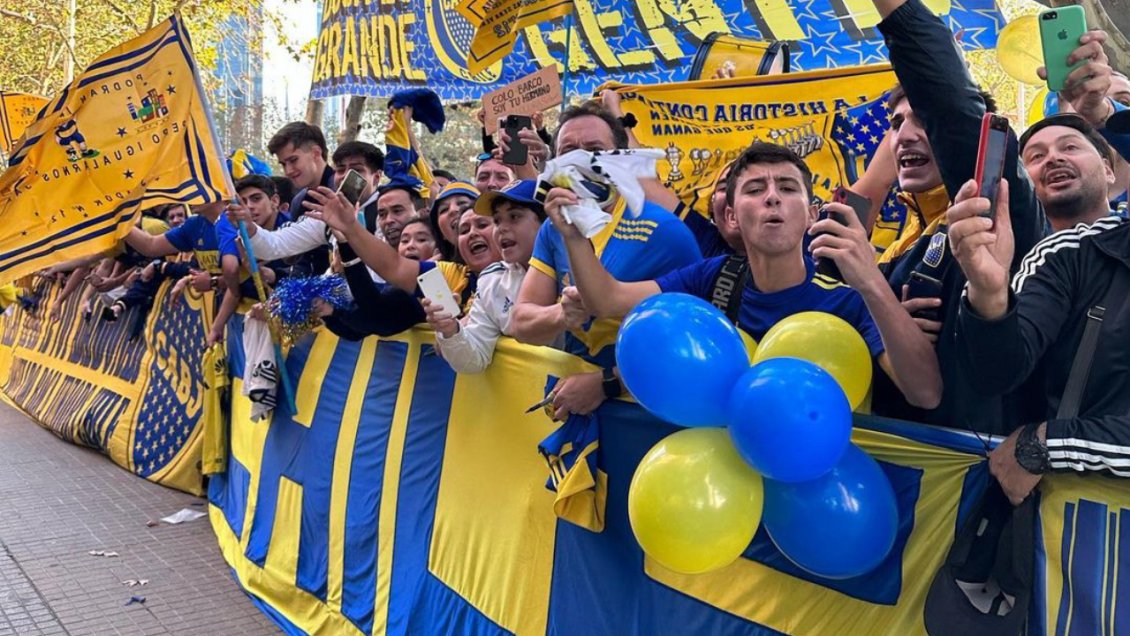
column 596, row 178
column 260, row 374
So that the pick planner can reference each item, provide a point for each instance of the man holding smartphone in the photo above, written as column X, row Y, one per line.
column 936, row 117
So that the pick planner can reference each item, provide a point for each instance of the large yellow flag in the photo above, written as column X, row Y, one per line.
column 835, row 119
column 131, row 132
column 497, row 22
column 17, row 110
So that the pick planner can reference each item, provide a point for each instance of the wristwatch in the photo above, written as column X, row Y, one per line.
column 1031, row 453
column 629, row 121
column 611, row 384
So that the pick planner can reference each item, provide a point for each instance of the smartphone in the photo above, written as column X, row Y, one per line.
column 518, row 153
column 859, row 204
column 434, row 287
column 352, row 186
column 990, row 159
column 1060, row 30
column 922, row 286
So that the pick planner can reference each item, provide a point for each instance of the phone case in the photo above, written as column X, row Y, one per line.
column 1060, row 30
column 518, row 153
column 435, row 289
column 991, row 149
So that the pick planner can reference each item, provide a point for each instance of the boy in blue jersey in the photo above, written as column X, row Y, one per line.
column 631, row 247
column 256, row 193
column 197, row 235
column 767, row 195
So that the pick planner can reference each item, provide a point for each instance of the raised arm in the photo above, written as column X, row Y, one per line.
column 339, row 214
column 949, row 105
column 149, row 245
column 603, row 295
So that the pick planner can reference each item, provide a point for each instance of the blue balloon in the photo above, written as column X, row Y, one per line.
column 838, row 526
column 1051, row 104
column 679, row 356
column 790, row 419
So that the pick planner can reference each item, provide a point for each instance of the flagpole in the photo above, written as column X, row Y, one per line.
column 253, row 265
column 565, row 76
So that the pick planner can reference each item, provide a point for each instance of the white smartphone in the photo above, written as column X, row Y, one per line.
column 434, row 286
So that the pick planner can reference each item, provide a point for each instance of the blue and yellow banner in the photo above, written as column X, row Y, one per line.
column 834, row 119
column 17, row 111
column 402, row 498
column 378, row 48
column 406, row 499
column 131, row 132
column 131, row 391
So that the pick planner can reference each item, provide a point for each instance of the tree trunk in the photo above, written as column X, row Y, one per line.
column 352, row 127
column 314, row 110
column 1112, row 16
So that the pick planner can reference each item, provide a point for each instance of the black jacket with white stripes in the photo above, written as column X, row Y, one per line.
column 1063, row 277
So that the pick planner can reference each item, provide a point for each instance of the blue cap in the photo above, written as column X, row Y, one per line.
column 453, row 188
column 517, row 192
column 1119, row 122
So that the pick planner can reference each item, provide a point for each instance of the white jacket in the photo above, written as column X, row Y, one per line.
column 471, row 349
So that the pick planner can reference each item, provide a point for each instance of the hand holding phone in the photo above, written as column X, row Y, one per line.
column 922, row 286
column 435, row 289
column 352, row 186
column 859, row 204
column 517, row 154
column 990, row 159
column 1060, row 30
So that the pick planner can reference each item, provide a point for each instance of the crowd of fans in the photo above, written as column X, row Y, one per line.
column 979, row 353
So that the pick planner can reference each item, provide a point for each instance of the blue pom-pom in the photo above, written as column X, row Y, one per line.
column 293, row 299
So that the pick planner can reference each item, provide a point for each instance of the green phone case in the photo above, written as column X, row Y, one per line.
column 1060, row 30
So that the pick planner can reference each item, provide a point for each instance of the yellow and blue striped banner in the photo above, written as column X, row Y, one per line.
column 404, row 499
column 93, row 383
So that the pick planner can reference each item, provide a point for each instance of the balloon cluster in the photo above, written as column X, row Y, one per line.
column 785, row 457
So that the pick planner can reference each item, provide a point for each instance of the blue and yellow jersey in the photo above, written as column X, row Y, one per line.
column 631, row 249
column 198, row 235
column 759, row 311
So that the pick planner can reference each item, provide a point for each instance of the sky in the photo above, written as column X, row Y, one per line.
column 284, row 79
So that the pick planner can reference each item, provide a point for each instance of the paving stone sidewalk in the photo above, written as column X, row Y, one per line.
column 58, row 502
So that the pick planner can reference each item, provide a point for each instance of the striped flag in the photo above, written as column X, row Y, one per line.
column 131, row 132
column 496, row 24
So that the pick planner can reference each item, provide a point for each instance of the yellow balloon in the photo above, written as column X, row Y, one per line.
column 1019, row 51
column 1036, row 109
column 750, row 344
column 694, row 504
column 827, row 341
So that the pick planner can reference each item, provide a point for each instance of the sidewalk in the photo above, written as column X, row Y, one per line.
column 58, row 502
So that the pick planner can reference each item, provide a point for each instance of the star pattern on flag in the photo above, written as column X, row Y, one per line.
column 816, row 50
column 163, row 417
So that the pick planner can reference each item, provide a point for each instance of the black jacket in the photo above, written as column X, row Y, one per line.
column 1059, row 281
column 947, row 103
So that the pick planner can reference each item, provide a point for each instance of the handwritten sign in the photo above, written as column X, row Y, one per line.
column 528, row 95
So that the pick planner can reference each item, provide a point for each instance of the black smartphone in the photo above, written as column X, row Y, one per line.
column 518, row 153
column 990, row 159
column 922, row 286
column 859, row 204
column 352, row 186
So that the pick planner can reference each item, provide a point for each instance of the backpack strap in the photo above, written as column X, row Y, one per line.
column 1081, row 366
column 728, row 284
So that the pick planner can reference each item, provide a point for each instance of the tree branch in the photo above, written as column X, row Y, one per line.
column 123, row 14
